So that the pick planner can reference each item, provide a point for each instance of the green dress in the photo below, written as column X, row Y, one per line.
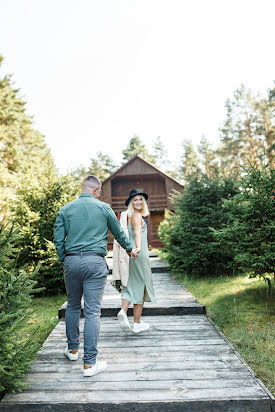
column 140, row 274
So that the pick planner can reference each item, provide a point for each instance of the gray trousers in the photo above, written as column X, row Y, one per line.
column 84, row 276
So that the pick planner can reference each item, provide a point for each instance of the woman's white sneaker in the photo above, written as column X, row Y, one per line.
column 123, row 321
column 140, row 327
column 71, row 354
column 98, row 367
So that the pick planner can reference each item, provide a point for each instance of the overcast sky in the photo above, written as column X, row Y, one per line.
column 96, row 72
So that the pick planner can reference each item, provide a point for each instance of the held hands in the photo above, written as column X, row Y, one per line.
column 134, row 253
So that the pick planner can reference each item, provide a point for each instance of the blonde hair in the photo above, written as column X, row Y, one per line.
column 144, row 211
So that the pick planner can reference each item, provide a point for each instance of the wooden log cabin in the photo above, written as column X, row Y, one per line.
column 139, row 174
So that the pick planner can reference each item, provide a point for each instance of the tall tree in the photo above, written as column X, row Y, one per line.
column 137, row 147
column 34, row 212
column 248, row 132
column 102, row 166
column 188, row 233
column 265, row 108
column 249, row 231
column 160, row 154
column 23, row 150
column 208, row 158
column 189, row 161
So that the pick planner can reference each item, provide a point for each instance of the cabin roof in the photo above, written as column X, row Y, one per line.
column 133, row 159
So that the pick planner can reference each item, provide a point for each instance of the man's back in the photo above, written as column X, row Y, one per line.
column 80, row 238
column 82, row 225
column 86, row 224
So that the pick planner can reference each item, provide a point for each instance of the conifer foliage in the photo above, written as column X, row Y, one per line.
column 23, row 151
column 250, row 231
column 16, row 288
column 188, row 235
column 35, row 212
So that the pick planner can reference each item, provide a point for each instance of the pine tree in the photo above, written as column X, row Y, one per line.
column 102, row 166
column 250, row 230
column 188, row 234
column 136, row 147
column 23, row 150
column 247, row 136
column 16, row 287
column 34, row 211
column 265, row 109
column 208, row 158
column 189, row 161
column 160, row 154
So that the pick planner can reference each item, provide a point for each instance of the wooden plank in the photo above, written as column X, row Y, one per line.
column 79, row 384
column 47, row 368
column 172, row 298
column 180, row 363
column 202, row 378
column 109, row 396
column 239, row 405
column 145, row 369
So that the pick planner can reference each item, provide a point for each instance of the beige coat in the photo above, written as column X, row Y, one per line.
column 120, row 257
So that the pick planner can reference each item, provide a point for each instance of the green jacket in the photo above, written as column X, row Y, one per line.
column 82, row 225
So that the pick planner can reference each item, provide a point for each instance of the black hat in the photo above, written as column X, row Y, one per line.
column 133, row 193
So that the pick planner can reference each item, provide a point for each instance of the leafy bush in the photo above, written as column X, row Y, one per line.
column 35, row 212
column 16, row 349
column 187, row 235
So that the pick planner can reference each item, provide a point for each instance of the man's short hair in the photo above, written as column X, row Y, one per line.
column 90, row 182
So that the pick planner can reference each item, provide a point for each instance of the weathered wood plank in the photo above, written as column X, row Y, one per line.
column 49, row 369
column 239, row 405
column 143, row 356
column 199, row 377
column 105, row 396
column 78, row 384
column 172, row 298
column 180, row 363
column 198, row 373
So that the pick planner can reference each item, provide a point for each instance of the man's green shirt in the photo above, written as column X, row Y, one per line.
column 82, row 226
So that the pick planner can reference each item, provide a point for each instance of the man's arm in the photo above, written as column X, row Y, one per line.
column 59, row 237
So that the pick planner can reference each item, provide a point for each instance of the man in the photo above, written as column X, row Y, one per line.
column 80, row 238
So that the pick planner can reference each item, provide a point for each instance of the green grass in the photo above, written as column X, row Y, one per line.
column 44, row 317
column 239, row 308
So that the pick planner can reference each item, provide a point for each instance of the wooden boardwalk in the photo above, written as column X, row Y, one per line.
column 172, row 298
column 183, row 363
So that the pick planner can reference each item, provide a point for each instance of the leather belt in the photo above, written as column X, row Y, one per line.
column 85, row 254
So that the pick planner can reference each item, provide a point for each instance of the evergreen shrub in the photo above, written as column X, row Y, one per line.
column 35, row 212
column 188, row 235
column 250, row 230
column 16, row 349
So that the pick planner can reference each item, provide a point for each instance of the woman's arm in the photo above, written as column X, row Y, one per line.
column 136, row 221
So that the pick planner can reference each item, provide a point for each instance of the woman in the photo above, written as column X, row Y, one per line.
column 135, row 275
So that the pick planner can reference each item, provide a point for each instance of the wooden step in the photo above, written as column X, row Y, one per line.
column 182, row 363
column 171, row 299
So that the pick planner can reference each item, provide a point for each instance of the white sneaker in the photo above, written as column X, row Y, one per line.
column 123, row 321
column 71, row 354
column 98, row 367
column 140, row 327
